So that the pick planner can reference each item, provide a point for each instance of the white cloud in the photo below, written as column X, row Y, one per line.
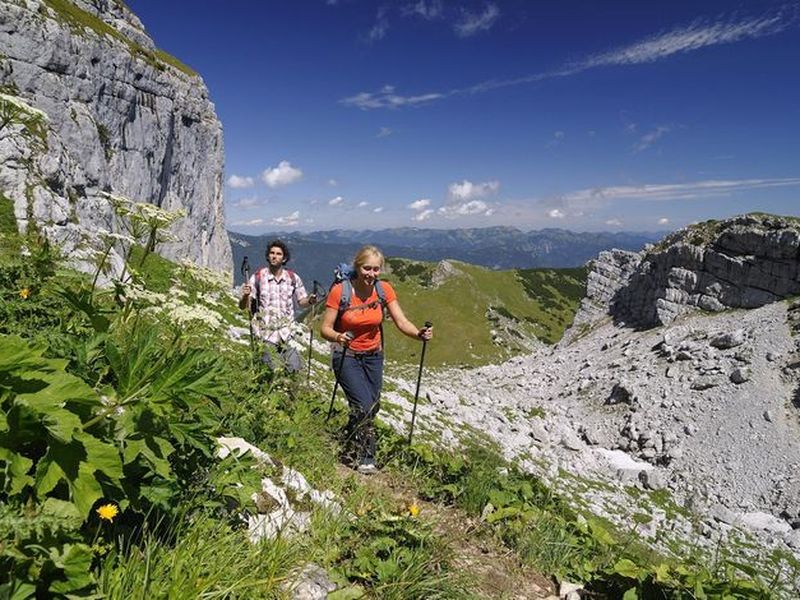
column 681, row 40
column 673, row 191
column 558, row 136
column 283, row 174
column 292, row 219
column 377, row 209
column 384, row 132
column 333, row 182
column 386, row 98
column 555, row 213
column 663, row 221
column 335, row 201
column 463, row 209
column 471, row 23
column 427, row 10
column 614, row 222
column 248, row 223
column 419, row 204
column 381, row 26
column 651, row 137
column 424, row 215
column 237, row 182
column 362, row 204
column 698, row 34
column 466, row 190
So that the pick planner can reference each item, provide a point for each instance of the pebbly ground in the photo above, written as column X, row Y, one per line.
column 704, row 411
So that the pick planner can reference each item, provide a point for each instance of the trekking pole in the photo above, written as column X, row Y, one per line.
column 311, row 331
column 428, row 325
column 336, row 375
column 245, row 270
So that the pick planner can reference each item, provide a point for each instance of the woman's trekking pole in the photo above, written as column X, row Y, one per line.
column 336, row 375
column 311, row 331
column 245, row 270
column 428, row 324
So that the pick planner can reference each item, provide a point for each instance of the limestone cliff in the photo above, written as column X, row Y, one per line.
column 121, row 117
column 743, row 262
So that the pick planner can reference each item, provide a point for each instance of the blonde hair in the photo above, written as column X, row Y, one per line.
column 365, row 253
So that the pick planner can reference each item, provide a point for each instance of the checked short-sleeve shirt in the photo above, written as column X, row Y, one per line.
column 275, row 317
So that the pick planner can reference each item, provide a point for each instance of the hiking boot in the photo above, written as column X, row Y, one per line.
column 367, row 468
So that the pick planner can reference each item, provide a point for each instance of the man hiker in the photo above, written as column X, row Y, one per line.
column 271, row 293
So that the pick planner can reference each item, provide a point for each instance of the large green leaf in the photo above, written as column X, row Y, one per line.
column 627, row 568
column 75, row 560
column 16, row 470
column 85, row 489
column 61, row 509
column 48, row 474
column 61, row 424
column 101, row 456
column 17, row 590
column 16, row 354
column 135, row 448
column 67, row 462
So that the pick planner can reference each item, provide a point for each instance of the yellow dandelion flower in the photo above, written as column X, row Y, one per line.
column 108, row 512
column 24, row 293
column 413, row 509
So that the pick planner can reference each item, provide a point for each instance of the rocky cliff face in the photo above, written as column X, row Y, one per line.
column 121, row 117
column 744, row 262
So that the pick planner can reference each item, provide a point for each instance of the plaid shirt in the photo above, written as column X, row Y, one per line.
column 275, row 317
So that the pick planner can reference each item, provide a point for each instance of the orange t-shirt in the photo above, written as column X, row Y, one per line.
column 362, row 321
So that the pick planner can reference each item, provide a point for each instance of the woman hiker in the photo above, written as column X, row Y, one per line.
column 358, row 356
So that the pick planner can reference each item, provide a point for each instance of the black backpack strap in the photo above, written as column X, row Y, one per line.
column 382, row 298
column 293, row 278
column 255, row 303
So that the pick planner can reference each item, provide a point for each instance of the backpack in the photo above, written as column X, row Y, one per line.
column 255, row 302
column 345, row 274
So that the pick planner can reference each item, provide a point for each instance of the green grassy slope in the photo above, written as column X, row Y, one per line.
column 481, row 316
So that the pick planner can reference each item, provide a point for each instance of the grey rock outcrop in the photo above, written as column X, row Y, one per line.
column 743, row 262
column 122, row 117
column 608, row 274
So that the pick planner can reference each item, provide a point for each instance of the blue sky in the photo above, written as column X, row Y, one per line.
column 429, row 113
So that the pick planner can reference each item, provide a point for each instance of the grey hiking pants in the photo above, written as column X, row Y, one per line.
column 282, row 355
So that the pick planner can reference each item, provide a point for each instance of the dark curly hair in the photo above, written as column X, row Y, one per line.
column 278, row 244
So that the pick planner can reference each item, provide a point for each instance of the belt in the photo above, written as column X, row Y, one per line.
column 359, row 354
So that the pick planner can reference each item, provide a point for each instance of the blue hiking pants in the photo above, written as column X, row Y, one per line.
column 361, row 378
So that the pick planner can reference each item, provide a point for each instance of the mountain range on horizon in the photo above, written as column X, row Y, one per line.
column 315, row 254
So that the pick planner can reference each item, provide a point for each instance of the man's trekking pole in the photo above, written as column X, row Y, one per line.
column 311, row 330
column 336, row 375
column 428, row 325
column 245, row 270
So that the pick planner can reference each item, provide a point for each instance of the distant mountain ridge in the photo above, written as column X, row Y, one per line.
column 315, row 254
